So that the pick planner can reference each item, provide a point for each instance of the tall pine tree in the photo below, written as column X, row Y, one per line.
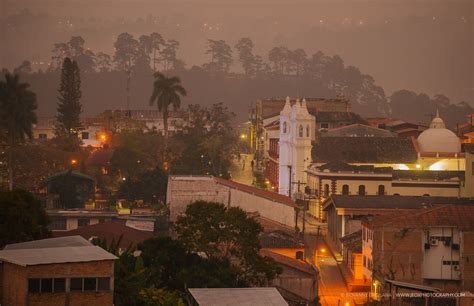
column 68, row 122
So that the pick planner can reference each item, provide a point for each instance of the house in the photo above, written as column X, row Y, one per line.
column 344, row 213
column 184, row 190
column 66, row 220
column 352, row 260
column 426, row 249
column 73, row 189
column 298, row 283
column 111, row 232
column 67, row 271
column 237, row 296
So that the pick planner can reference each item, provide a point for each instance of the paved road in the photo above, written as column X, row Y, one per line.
column 241, row 170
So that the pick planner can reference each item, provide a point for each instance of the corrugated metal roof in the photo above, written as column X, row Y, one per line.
column 238, row 296
column 53, row 255
column 54, row 250
column 50, row 243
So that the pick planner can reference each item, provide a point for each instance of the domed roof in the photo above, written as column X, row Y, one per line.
column 438, row 138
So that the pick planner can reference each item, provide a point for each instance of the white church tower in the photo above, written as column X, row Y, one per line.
column 297, row 130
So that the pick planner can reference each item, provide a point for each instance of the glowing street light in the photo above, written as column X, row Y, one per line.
column 103, row 137
column 73, row 162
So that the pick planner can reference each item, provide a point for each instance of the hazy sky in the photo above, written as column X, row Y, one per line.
column 425, row 45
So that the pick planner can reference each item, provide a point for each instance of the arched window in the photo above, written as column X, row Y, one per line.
column 345, row 189
column 300, row 132
column 284, row 127
column 361, row 189
column 307, row 130
column 381, row 190
column 326, row 190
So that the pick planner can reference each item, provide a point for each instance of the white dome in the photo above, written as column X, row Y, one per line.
column 438, row 138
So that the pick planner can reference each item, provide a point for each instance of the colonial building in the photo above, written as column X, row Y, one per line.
column 296, row 134
column 345, row 213
column 427, row 249
column 67, row 271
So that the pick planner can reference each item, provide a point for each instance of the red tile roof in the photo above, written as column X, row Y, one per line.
column 269, row 195
column 288, row 261
column 110, row 231
column 461, row 216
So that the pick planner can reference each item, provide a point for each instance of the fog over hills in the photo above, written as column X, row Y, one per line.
column 425, row 46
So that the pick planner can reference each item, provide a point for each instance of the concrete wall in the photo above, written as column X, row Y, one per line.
column 272, row 210
column 185, row 190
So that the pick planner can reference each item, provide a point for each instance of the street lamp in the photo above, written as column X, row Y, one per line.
column 73, row 162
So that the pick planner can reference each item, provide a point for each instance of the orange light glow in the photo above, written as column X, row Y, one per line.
column 73, row 161
column 103, row 137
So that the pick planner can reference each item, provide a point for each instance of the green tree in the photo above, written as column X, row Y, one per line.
column 209, row 140
column 220, row 232
column 17, row 115
column 245, row 48
column 221, row 56
column 149, row 186
column 68, row 122
column 129, row 273
column 22, row 218
column 167, row 91
column 125, row 57
column 160, row 297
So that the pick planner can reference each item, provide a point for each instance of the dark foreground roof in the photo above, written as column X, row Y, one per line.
column 237, row 296
column 364, row 150
column 110, row 231
column 279, row 239
column 353, row 241
column 391, row 201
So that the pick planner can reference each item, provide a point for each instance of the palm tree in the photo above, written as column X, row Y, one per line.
column 166, row 91
column 17, row 114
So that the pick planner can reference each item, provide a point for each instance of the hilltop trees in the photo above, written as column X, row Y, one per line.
column 17, row 115
column 221, row 56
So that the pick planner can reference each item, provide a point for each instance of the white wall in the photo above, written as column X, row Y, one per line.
column 184, row 190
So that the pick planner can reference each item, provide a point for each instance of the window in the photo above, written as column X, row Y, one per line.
column 326, row 190
column 47, row 285
column 361, row 189
column 472, row 168
column 76, row 284
column 345, row 189
column 83, row 222
column 307, row 130
column 381, row 190
column 34, row 285
column 42, row 136
column 59, row 285
column 103, row 283
column 58, row 224
column 324, row 125
column 300, row 131
column 90, row 284
column 365, row 261
column 284, row 127
column 85, row 135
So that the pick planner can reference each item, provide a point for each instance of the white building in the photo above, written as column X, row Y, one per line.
column 296, row 133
